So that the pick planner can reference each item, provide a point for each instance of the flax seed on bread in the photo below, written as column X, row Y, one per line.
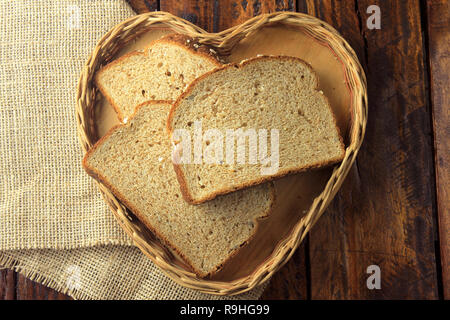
column 159, row 72
column 275, row 92
column 134, row 161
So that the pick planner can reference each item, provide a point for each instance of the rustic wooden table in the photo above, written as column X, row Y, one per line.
column 393, row 209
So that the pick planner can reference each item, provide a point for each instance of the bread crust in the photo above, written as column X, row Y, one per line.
column 185, row 42
column 187, row 195
column 103, row 180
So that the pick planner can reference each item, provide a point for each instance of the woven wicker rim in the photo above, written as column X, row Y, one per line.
column 224, row 42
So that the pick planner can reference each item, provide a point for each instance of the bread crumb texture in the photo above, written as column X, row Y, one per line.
column 134, row 160
column 260, row 93
column 160, row 72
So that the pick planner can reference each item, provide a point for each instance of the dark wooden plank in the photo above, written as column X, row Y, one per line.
column 215, row 16
column 383, row 214
column 30, row 290
column 235, row 12
column 439, row 50
column 290, row 282
column 141, row 6
column 7, row 284
column 26, row 289
column 203, row 13
column 327, row 257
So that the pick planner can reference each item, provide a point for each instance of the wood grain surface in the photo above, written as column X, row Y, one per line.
column 389, row 189
column 438, row 19
column 8, row 284
column 393, row 209
column 218, row 15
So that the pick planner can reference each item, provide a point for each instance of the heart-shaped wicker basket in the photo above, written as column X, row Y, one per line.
column 225, row 41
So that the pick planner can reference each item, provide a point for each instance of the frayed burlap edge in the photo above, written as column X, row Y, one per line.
column 10, row 263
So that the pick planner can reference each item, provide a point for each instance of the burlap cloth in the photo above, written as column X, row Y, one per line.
column 54, row 226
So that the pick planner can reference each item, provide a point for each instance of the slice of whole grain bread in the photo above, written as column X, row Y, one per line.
column 275, row 94
column 134, row 161
column 159, row 72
